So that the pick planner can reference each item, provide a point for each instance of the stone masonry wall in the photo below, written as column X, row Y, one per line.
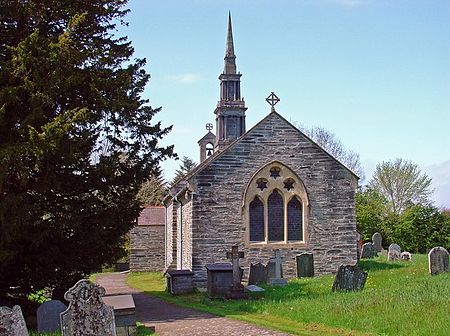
column 185, row 245
column 217, row 211
column 171, row 223
column 147, row 249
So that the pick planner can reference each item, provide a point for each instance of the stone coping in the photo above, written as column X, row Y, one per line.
column 174, row 273
column 120, row 303
column 219, row 267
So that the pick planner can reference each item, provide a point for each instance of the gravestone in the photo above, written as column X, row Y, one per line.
column 377, row 241
column 349, row 278
column 438, row 260
column 254, row 289
column 258, row 274
column 87, row 315
column 305, row 265
column 368, row 251
column 12, row 322
column 406, row 256
column 394, row 252
column 48, row 316
column 237, row 290
column 277, row 279
column 271, row 269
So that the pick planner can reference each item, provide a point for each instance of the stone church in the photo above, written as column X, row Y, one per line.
column 266, row 188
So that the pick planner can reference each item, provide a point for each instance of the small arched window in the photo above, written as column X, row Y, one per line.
column 275, row 207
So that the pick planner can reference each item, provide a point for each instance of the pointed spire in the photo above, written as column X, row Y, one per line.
column 230, row 57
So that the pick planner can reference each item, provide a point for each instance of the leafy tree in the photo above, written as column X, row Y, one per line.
column 187, row 164
column 371, row 211
column 328, row 141
column 76, row 140
column 420, row 227
column 402, row 183
column 152, row 190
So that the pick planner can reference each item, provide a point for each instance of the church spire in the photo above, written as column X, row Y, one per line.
column 230, row 57
column 230, row 110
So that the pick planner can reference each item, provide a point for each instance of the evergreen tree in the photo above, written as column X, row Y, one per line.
column 77, row 140
column 187, row 164
column 153, row 190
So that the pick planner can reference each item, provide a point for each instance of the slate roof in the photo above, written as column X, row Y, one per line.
column 152, row 216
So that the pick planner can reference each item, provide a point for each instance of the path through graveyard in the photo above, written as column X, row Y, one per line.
column 169, row 319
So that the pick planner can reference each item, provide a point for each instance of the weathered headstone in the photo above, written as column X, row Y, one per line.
column 377, row 241
column 254, row 288
column 124, row 313
column 258, row 274
column 87, row 315
column 278, row 278
column 12, row 322
column 219, row 279
column 305, row 265
column 438, row 260
column 368, row 251
column 237, row 290
column 406, row 256
column 394, row 252
column 180, row 281
column 48, row 316
column 349, row 278
column 271, row 269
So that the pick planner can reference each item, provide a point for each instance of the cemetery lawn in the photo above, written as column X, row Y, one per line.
column 400, row 298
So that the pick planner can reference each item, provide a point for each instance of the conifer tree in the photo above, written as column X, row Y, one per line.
column 77, row 140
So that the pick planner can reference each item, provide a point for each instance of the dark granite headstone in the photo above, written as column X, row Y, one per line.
column 12, row 322
column 180, row 281
column 368, row 251
column 305, row 265
column 438, row 260
column 258, row 274
column 87, row 314
column 349, row 278
column 48, row 316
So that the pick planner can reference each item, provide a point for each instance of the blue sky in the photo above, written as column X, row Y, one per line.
column 375, row 72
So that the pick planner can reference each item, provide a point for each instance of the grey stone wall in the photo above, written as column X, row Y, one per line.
column 184, row 245
column 170, row 250
column 217, row 216
column 147, row 248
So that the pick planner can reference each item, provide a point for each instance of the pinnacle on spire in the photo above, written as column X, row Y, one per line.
column 230, row 57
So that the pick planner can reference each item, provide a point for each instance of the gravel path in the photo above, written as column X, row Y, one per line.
column 171, row 320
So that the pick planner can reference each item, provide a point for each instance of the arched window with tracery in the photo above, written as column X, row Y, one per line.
column 276, row 207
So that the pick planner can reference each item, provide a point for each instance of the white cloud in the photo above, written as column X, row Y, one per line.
column 188, row 78
column 440, row 173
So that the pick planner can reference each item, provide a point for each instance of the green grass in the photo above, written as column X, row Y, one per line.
column 400, row 298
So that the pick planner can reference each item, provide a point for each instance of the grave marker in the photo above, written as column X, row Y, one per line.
column 87, row 315
column 278, row 277
column 349, row 278
column 48, row 316
column 258, row 274
column 368, row 251
column 438, row 260
column 12, row 322
column 305, row 265
column 394, row 252
column 237, row 290
column 377, row 241
column 406, row 256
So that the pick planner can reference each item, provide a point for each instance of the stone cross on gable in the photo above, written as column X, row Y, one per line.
column 272, row 99
column 235, row 255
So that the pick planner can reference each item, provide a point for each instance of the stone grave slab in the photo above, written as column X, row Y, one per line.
column 254, row 288
column 180, row 281
column 124, row 313
column 87, row 314
column 349, row 278
column 368, row 251
column 219, row 279
column 377, row 241
column 12, row 322
column 48, row 316
column 305, row 265
column 258, row 274
column 438, row 260
column 394, row 252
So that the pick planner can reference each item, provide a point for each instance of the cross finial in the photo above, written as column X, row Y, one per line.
column 272, row 100
column 209, row 127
